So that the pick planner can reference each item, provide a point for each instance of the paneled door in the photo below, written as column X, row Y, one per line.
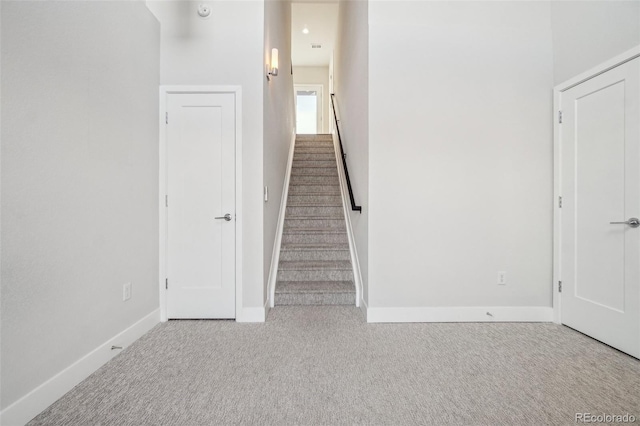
column 200, row 203
column 600, row 188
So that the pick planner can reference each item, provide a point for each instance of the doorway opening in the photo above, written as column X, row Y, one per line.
column 309, row 114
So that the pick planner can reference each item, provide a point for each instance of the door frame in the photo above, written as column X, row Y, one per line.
column 557, row 163
column 319, row 87
column 162, row 187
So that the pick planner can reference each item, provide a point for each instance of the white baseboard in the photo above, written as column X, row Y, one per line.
column 275, row 257
column 461, row 314
column 346, row 208
column 258, row 314
column 363, row 307
column 267, row 308
column 36, row 401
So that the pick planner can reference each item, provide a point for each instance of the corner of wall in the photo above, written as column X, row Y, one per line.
column 278, row 116
column 30, row 405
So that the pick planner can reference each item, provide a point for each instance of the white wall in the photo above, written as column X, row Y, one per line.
column 226, row 49
column 1, row 295
column 460, row 153
column 587, row 33
column 279, row 113
column 316, row 75
column 351, row 84
column 79, row 181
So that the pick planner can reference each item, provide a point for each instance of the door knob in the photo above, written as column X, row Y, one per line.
column 633, row 222
column 227, row 217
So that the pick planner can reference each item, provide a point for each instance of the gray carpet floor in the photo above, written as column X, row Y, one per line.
column 323, row 365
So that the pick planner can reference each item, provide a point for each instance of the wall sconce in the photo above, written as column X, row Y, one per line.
column 272, row 70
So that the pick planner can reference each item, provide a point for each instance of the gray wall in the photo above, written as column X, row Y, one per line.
column 226, row 49
column 587, row 33
column 460, row 153
column 279, row 112
column 351, row 86
column 79, row 181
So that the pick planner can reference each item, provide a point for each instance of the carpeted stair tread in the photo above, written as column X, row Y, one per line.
column 327, row 238
column 319, row 141
column 315, row 261
column 332, row 224
column 314, row 165
column 315, row 190
column 311, row 190
column 313, row 170
column 316, row 287
column 307, row 211
column 310, row 203
column 333, row 265
column 296, row 221
column 315, row 246
column 313, row 231
column 323, row 200
column 314, row 275
column 320, row 205
column 315, row 299
column 337, row 217
column 315, row 197
column 314, row 180
column 316, row 150
column 317, row 156
column 314, row 144
column 313, row 193
column 302, row 180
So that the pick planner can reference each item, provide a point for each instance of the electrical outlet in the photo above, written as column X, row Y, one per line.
column 502, row 278
column 126, row 291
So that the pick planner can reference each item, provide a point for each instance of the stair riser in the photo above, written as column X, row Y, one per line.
column 314, row 189
column 324, row 200
column 314, row 180
column 315, row 223
column 304, row 136
column 314, row 238
column 314, row 148
column 284, row 299
column 312, row 151
column 314, row 255
column 313, row 163
column 314, row 171
column 325, row 275
column 332, row 212
column 314, row 144
column 318, row 156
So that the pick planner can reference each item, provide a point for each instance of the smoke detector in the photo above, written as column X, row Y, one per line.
column 204, row 11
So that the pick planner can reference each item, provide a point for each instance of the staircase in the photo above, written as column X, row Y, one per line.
column 315, row 265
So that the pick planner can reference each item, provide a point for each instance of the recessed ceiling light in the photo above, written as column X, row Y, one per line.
column 305, row 30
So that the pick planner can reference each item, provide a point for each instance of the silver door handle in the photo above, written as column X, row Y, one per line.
column 633, row 222
column 226, row 217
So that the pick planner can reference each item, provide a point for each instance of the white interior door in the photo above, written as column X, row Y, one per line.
column 600, row 184
column 200, row 189
column 309, row 115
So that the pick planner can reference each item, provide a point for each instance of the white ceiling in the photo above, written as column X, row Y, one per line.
column 322, row 21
